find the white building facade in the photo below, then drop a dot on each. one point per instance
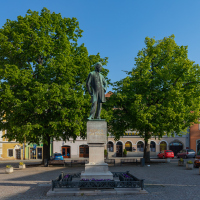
(130, 141)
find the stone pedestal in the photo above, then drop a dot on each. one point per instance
(96, 138)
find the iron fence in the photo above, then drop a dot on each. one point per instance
(61, 182)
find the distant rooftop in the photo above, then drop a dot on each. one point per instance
(108, 94)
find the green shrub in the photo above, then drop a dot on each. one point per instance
(8, 166)
(189, 162)
(181, 159)
(125, 152)
(105, 152)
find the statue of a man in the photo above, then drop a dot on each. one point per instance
(98, 84)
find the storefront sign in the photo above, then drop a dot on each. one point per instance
(131, 134)
(136, 134)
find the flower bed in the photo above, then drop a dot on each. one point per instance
(67, 177)
(125, 177)
(127, 181)
(93, 179)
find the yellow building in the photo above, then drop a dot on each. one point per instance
(10, 150)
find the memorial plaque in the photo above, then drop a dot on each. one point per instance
(97, 131)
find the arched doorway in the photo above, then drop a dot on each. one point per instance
(66, 151)
(119, 148)
(84, 151)
(163, 146)
(152, 146)
(198, 147)
(140, 146)
(110, 146)
(128, 146)
(176, 146)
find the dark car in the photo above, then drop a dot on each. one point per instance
(186, 153)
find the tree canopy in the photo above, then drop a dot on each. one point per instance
(43, 72)
(160, 95)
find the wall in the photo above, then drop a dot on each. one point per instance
(74, 147)
(13, 146)
(194, 136)
(135, 139)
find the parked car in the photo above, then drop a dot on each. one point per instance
(186, 153)
(58, 156)
(166, 154)
(197, 161)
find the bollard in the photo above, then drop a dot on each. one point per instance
(142, 160)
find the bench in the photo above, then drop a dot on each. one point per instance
(132, 161)
(110, 161)
(56, 162)
(78, 162)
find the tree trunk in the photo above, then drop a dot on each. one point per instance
(46, 149)
(146, 155)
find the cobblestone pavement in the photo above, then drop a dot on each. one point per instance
(162, 181)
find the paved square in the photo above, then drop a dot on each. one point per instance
(162, 181)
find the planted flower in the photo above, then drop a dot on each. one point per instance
(125, 177)
(189, 162)
(93, 179)
(189, 165)
(9, 169)
(21, 163)
(181, 162)
(66, 176)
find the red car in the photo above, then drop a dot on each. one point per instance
(166, 154)
(197, 161)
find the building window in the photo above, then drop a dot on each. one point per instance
(140, 146)
(10, 152)
(163, 146)
(153, 146)
(110, 146)
(128, 146)
(198, 147)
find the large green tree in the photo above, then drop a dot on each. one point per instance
(158, 95)
(42, 78)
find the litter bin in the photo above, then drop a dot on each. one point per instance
(46, 162)
(142, 161)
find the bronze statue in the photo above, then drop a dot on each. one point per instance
(98, 84)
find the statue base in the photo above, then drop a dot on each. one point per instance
(96, 171)
(96, 138)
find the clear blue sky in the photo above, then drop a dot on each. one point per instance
(117, 28)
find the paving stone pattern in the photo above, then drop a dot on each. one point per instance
(162, 181)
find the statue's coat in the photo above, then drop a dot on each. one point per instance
(93, 81)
